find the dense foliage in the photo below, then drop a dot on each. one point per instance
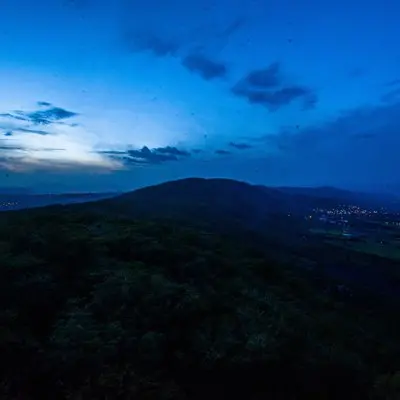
(99, 307)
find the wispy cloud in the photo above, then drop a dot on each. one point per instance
(146, 155)
(391, 96)
(394, 82)
(275, 100)
(35, 131)
(233, 27)
(204, 66)
(269, 88)
(240, 146)
(5, 145)
(28, 121)
(198, 61)
(44, 104)
(144, 41)
(172, 151)
(10, 147)
(41, 139)
(267, 78)
(222, 152)
(46, 117)
(363, 141)
(12, 116)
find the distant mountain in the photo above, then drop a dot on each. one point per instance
(334, 195)
(319, 191)
(212, 201)
(223, 205)
(223, 202)
(20, 200)
(15, 190)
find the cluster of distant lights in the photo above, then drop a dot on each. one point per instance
(350, 210)
(394, 223)
(8, 204)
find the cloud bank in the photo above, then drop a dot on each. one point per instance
(44, 139)
(146, 156)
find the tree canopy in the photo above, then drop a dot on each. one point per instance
(104, 307)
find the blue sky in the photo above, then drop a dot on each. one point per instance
(112, 95)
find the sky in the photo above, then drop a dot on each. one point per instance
(110, 95)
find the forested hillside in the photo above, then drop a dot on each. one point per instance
(103, 307)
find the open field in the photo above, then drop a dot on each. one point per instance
(384, 250)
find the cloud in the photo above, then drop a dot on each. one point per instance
(181, 34)
(391, 96)
(44, 104)
(35, 131)
(46, 117)
(12, 116)
(61, 145)
(358, 146)
(11, 147)
(112, 152)
(364, 136)
(394, 82)
(33, 164)
(10, 124)
(38, 122)
(266, 78)
(145, 155)
(144, 41)
(240, 146)
(275, 100)
(310, 99)
(205, 67)
(268, 87)
(27, 121)
(19, 157)
(233, 27)
(24, 159)
(222, 152)
(182, 46)
(172, 151)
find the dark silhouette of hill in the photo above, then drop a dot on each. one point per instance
(18, 201)
(225, 201)
(194, 198)
(222, 203)
(271, 219)
(15, 190)
(327, 195)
